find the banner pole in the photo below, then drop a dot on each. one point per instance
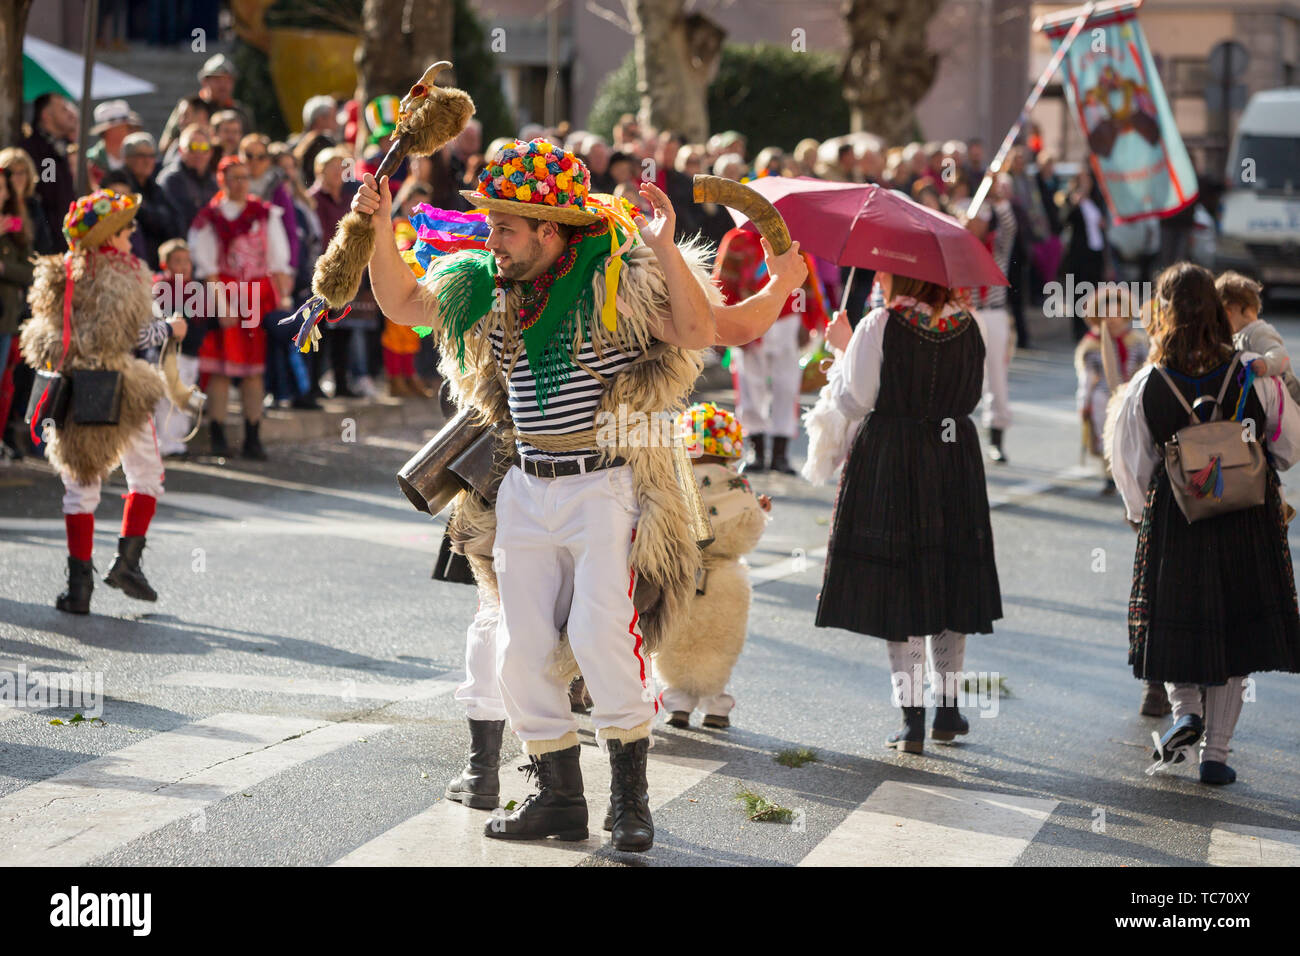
(1044, 78)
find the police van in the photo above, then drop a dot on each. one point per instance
(1260, 219)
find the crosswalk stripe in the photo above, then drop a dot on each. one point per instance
(346, 688)
(448, 834)
(1235, 844)
(906, 824)
(76, 816)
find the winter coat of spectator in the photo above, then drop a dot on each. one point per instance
(54, 126)
(189, 183)
(268, 182)
(22, 179)
(157, 219)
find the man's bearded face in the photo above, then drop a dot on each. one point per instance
(516, 247)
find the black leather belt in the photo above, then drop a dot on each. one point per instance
(546, 468)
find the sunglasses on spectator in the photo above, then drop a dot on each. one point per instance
(255, 157)
(199, 147)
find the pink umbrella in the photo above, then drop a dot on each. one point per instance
(873, 227)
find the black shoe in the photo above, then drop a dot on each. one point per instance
(629, 796)
(306, 403)
(716, 721)
(1216, 773)
(680, 719)
(948, 724)
(558, 809)
(253, 442)
(81, 584)
(755, 462)
(126, 575)
(911, 738)
(779, 462)
(479, 785)
(1182, 736)
(217, 443)
(995, 447)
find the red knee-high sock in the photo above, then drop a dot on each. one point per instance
(137, 514)
(81, 535)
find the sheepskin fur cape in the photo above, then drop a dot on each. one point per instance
(698, 653)
(111, 303)
(665, 557)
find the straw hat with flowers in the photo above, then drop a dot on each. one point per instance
(93, 219)
(536, 179)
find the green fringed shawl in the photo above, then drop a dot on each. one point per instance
(466, 286)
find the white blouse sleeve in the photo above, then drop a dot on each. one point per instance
(277, 243)
(1133, 453)
(848, 396)
(1280, 407)
(203, 251)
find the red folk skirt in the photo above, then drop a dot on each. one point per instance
(239, 349)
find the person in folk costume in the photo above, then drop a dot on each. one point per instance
(571, 311)
(768, 374)
(1212, 600)
(240, 247)
(911, 545)
(1110, 342)
(696, 659)
(92, 308)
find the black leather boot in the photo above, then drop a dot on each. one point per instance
(1180, 739)
(253, 441)
(911, 738)
(756, 461)
(629, 796)
(995, 446)
(217, 443)
(779, 461)
(558, 809)
(479, 785)
(81, 584)
(948, 723)
(126, 574)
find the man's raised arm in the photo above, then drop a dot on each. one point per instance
(394, 284)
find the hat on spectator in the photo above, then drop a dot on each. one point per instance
(536, 179)
(92, 219)
(218, 65)
(381, 117)
(138, 142)
(112, 113)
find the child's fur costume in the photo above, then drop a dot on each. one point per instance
(697, 655)
(111, 303)
(665, 557)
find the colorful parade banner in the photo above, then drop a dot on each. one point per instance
(1117, 98)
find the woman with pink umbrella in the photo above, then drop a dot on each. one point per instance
(911, 545)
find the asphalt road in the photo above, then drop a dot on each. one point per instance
(287, 700)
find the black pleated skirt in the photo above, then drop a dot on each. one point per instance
(911, 547)
(1213, 599)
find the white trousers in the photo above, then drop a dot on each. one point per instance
(561, 553)
(719, 705)
(173, 423)
(481, 692)
(141, 464)
(995, 325)
(769, 377)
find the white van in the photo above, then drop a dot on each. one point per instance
(1260, 233)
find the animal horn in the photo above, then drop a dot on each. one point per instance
(740, 197)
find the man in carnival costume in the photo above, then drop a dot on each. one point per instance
(573, 311)
(91, 308)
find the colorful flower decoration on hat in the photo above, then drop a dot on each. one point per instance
(89, 210)
(710, 430)
(536, 172)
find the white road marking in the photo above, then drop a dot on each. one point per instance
(396, 501)
(1234, 844)
(903, 824)
(448, 834)
(342, 687)
(77, 816)
(795, 564)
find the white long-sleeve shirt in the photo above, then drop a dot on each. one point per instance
(1134, 454)
(206, 255)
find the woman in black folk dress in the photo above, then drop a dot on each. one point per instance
(911, 546)
(1212, 601)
